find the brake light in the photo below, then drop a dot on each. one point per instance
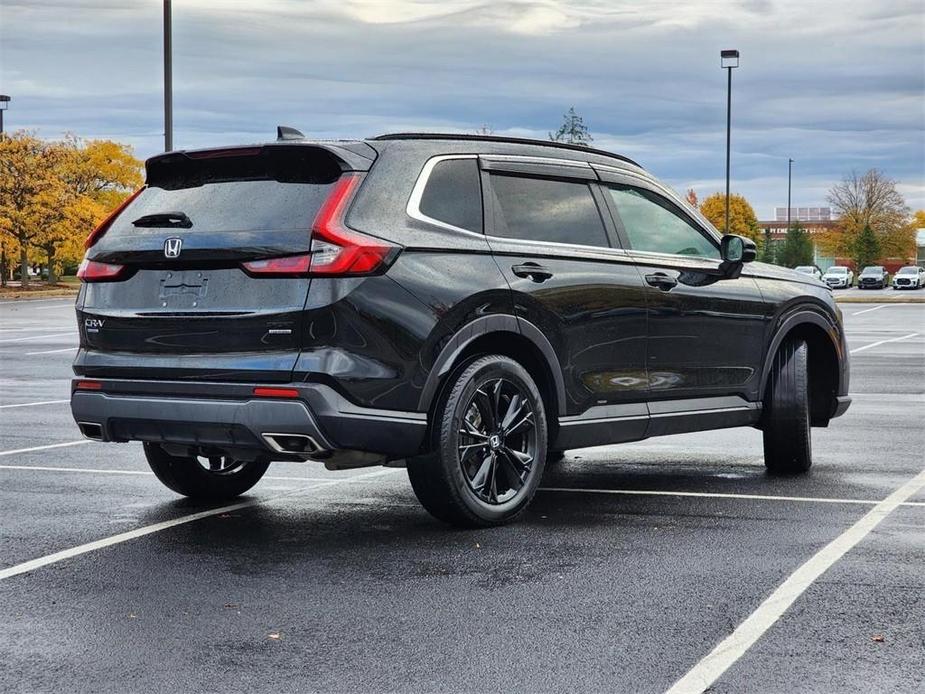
(337, 250)
(92, 271)
(290, 265)
(262, 392)
(103, 227)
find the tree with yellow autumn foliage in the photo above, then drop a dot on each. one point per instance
(742, 219)
(52, 194)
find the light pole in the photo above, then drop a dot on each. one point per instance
(4, 105)
(789, 178)
(168, 80)
(729, 59)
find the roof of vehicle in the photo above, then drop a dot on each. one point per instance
(506, 140)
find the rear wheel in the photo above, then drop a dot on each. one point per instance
(787, 430)
(490, 446)
(215, 478)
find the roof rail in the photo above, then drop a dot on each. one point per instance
(502, 138)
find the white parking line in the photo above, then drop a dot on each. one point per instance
(39, 562)
(729, 650)
(49, 468)
(30, 404)
(713, 495)
(45, 448)
(51, 351)
(38, 337)
(882, 342)
(868, 310)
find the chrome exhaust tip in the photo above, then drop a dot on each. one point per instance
(91, 430)
(297, 444)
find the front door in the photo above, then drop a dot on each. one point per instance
(706, 333)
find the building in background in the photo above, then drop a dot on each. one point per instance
(920, 247)
(814, 219)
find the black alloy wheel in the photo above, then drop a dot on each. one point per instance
(489, 446)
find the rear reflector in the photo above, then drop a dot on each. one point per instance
(276, 392)
(92, 271)
(97, 233)
(88, 385)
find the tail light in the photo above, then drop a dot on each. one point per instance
(336, 250)
(93, 271)
(103, 227)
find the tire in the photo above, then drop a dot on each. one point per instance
(187, 476)
(787, 430)
(489, 450)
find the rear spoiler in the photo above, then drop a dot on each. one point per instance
(292, 161)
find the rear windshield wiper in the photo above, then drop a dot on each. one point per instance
(164, 219)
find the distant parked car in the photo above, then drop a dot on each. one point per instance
(838, 277)
(810, 270)
(909, 277)
(873, 277)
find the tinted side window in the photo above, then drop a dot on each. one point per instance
(652, 224)
(540, 209)
(454, 194)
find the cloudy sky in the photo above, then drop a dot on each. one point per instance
(835, 85)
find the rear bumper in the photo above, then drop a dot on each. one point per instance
(842, 403)
(227, 415)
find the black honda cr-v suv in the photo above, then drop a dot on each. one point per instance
(470, 305)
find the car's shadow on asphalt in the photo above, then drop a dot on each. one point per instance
(379, 530)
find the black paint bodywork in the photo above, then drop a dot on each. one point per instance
(619, 359)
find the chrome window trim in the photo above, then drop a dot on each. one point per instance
(528, 159)
(413, 208)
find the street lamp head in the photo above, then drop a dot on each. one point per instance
(4, 102)
(729, 58)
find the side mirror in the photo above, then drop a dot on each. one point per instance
(736, 250)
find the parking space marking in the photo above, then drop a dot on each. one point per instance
(31, 404)
(51, 351)
(49, 468)
(38, 337)
(729, 650)
(719, 495)
(868, 310)
(56, 557)
(45, 448)
(882, 342)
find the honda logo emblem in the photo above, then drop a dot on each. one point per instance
(172, 247)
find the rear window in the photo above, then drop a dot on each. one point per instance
(261, 189)
(454, 194)
(542, 209)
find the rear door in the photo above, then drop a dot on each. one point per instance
(194, 298)
(546, 229)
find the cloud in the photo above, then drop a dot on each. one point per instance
(834, 85)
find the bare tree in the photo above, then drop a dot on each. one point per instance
(869, 200)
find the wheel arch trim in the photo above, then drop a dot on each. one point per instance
(480, 327)
(805, 316)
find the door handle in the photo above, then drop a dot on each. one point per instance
(535, 272)
(661, 281)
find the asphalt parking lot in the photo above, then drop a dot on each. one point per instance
(632, 564)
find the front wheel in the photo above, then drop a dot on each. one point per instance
(489, 449)
(787, 430)
(216, 478)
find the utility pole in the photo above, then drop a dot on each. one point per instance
(168, 80)
(728, 60)
(789, 177)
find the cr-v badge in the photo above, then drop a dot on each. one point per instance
(172, 247)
